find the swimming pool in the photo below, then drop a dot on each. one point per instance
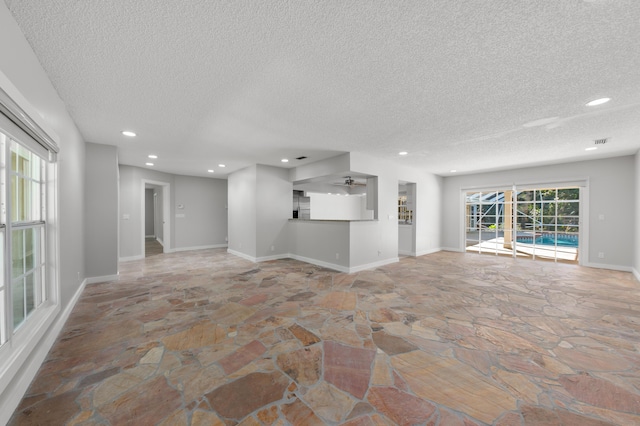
(563, 240)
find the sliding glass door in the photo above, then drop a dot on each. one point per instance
(535, 222)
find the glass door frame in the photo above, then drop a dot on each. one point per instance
(583, 223)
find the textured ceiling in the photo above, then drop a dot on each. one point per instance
(241, 82)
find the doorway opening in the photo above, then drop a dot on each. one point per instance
(152, 229)
(155, 218)
(406, 218)
(525, 222)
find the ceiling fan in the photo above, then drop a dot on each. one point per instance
(348, 181)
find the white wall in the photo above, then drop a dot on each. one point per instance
(158, 225)
(338, 207)
(20, 65)
(636, 260)
(273, 210)
(205, 212)
(611, 193)
(375, 243)
(330, 166)
(204, 224)
(427, 210)
(101, 211)
(149, 213)
(321, 243)
(259, 210)
(405, 239)
(130, 214)
(241, 199)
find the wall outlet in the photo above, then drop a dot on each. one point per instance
(226, 239)
(600, 255)
(337, 256)
(273, 248)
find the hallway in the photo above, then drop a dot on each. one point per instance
(207, 338)
(152, 247)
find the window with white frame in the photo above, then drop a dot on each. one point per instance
(29, 255)
(25, 286)
(27, 232)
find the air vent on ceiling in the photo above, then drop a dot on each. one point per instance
(600, 141)
(301, 158)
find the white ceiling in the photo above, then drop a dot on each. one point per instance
(205, 82)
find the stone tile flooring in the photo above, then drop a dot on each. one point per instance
(206, 338)
(152, 247)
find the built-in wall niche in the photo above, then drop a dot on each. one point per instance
(344, 196)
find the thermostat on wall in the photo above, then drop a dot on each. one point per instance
(181, 206)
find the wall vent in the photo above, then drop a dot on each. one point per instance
(600, 141)
(301, 158)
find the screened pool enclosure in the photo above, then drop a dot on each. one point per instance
(539, 223)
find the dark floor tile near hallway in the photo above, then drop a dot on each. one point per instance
(152, 247)
(206, 338)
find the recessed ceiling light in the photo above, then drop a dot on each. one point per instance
(593, 148)
(452, 171)
(210, 171)
(403, 153)
(128, 133)
(153, 156)
(285, 160)
(598, 101)
(149, 164)
(222, 165)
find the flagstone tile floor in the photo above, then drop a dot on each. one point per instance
(206, 338)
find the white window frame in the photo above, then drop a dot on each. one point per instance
(19, 360)
(20, 341)
(36, 221)
(578, 182)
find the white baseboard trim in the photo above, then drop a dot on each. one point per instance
(102, 279)
(259, 259)
(11, 396)
(179, 249)
(173, 250)
(160, 241)
(454, 249)
(316, 262)
(636, 273)
(242, 255)
(428, 251)
(130, 258)
(335, 267)
(273, 257)
(149, 236)
(419, 253)
(373, 265)
(612, 267)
